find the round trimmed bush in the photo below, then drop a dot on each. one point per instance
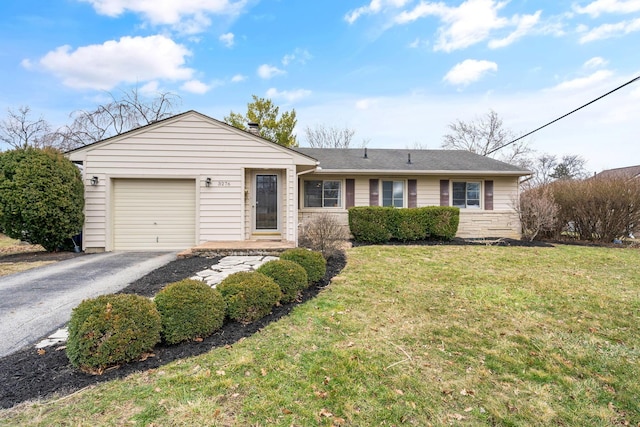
(249, 295)
(313, 262)
(110, 330)
(289, 275)
(189, 309)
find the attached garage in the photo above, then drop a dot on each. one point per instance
(154, 214)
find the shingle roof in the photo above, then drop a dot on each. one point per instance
(396, 160)
(630, 171)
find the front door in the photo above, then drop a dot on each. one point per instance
(266, 202)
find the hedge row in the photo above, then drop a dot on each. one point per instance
(375, 224)
(116, 328)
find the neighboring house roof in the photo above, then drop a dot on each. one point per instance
(360, 160)
(630, 171)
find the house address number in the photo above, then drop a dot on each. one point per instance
(224, 183)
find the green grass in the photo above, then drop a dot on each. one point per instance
(411, 336)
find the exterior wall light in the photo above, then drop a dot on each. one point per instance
(94, 180)
(207, 182)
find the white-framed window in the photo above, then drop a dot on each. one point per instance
(322, 194)
(393, 193)
(466, 194)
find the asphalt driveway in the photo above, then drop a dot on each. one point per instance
(37, 302)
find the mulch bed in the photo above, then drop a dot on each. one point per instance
(27, 375)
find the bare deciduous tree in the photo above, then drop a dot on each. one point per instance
(119, 115)
(19, 130)
(323, 136)
(537, 211)
(486, 136)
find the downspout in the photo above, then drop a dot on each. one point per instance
(298, 175)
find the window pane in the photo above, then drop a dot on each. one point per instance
(473, 194)
(313, 194)
(332, 197)
(387, 193)
(398, 193)
(459, 194)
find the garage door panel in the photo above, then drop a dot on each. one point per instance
(154, 214)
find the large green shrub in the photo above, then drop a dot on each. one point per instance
(443, 221)
(289, 275)
(313, 262)
(374, 224)
(370, 224)
(110, 330)
(189, 309)
(249, 295)
(41, 197)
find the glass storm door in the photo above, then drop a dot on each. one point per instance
(266, 202)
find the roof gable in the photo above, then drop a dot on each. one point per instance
(188, 117)
(408, 161)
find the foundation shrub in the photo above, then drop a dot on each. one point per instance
(443, 222)
(110, 330)
(189, 309)
(249, 296)
(374, 224)
(290, 276)
(313, 262)
(370, 224)
(323, 233)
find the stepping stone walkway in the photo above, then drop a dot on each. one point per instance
(211, 276)
(229, 265)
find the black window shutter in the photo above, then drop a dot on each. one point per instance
(412, 198)
(373, 192)
(488, 195)
(350, 192)
(444, 192)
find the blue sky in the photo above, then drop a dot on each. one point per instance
(395, 71)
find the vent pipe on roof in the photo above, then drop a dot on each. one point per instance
(365, 153)
(254, 128)
(409, 158)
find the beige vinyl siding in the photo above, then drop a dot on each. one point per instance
(153, 214)
(189, 146)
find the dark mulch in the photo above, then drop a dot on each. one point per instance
(26, 375)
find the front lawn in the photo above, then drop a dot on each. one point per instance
(434, 335)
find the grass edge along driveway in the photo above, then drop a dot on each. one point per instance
(407, 335)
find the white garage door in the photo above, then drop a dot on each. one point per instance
(153, 214)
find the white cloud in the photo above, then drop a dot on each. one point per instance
(417, 43)
(266, 71)
(150, 88)
(595, 62)
(128, 60)
(465, 25)
(524, 25)
(469, 71)
(374, 7)
(195, 86)
(366, 103)
(290, 96)
(599, 7)
(583, 82)
(238, 78)
(299, 55)
(227, 39)
(606, 31)
(188, 16)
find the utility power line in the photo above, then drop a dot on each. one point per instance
(562, 117)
